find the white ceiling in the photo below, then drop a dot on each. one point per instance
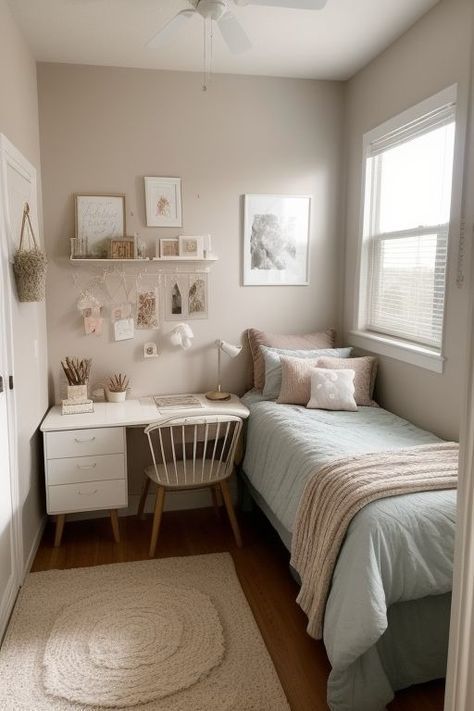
(332, 43)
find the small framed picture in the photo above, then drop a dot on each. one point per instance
(148, 314)
(191, 247)
(176, 287)
(197, 297)
(186, 297)
(276, 240)
(163, 202)
(97, 219)
(150, 350)
(167, 248)
(124, 248)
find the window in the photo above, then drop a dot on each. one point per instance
(409, 166)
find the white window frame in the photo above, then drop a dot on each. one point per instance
(400, 349)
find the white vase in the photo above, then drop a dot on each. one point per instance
(116, 396)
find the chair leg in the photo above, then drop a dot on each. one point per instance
(141, 505)
(216, 499)
(115, 525)
(60, 519)
(230, 512)
(159, 501)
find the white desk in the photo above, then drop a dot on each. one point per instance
(135, 413)
(86, 455)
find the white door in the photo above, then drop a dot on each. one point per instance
(8, 566)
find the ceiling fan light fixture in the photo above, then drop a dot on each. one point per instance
(211, 9)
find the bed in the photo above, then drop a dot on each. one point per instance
(386, 621)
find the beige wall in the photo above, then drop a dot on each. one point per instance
(19, 122)
(432, 55)
(103, 129)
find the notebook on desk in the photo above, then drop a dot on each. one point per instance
(177, 402)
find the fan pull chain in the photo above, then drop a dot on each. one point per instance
(207, 50)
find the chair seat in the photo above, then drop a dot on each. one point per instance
(191, 476)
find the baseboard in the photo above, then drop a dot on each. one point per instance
(33, 549)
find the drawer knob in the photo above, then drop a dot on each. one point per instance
(86, 439)
(87, 493)
(87, 466)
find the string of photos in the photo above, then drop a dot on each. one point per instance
(138, 301)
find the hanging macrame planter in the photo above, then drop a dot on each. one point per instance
(29, 264)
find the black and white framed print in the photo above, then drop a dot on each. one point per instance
(276, 240)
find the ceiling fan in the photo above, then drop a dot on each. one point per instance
(230, 28)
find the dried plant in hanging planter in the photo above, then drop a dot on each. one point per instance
(29, 265)
(118, 383)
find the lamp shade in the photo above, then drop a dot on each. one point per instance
(229, 349)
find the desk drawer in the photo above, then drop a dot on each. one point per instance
(79, 443)
(89, 496)
(79, 469)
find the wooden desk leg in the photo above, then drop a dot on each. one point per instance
(115, 525)
(230, 512)
(60, 519)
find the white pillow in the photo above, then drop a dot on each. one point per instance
(332, 390)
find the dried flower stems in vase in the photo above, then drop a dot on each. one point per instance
(117, 388)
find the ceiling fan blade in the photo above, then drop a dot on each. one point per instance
(233, 34)
(291, 4)
(167, 31)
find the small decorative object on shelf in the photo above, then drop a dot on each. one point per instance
(77, 374)
(117, 388)
(167, 248)
(191, 247)
(122, 248)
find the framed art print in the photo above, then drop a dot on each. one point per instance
(167, 248)
(186, 297)
(276, 240)
(163, 202)
(191, 247)
(97, 219)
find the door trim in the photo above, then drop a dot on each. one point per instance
(9, 155)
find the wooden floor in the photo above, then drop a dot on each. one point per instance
(262, 567)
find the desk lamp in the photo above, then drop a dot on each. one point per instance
(232, 351)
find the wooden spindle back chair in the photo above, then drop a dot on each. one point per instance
(191, 453)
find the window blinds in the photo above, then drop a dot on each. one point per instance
(408, 286)
(434, 119)
(408, 201)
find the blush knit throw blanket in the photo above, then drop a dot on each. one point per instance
(335, 493)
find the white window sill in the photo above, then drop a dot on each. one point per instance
(393, 348)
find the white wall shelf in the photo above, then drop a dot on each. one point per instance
(91, 260)
(185, 260)
(162, 260)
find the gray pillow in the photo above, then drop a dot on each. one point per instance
(271, 357)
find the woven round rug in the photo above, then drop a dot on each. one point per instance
(174, 634)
